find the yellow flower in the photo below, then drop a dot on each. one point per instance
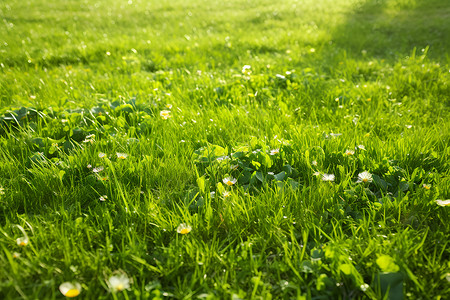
(184, 229)
(165, 114)
(426, 186)
(70, 289)
(22, 241)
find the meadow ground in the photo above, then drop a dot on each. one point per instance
(233, 149)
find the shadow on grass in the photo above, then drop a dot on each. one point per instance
(388, 29)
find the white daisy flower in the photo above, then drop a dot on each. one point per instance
(226, 194)
(364, 177)
(22, 241)
(443, 202)
(314, 163)
(121, 155)
(98, 169)
(274, 151)
(229, 180)
(165, 114)
(183, 228)
(328, 177)
(118, 283)
(349, 152)
(70, 289)
(101, 155)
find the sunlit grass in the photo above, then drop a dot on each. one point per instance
(224, 149)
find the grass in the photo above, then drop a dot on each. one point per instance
(95, 180)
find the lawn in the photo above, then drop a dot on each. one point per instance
(205, 149)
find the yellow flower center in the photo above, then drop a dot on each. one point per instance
(72, 293)
(365, 180)
(23, 243)
(229, 183)
(119, 287)
(184, 231)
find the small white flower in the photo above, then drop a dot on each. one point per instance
(89, 166)
(361, 147)
(101, 155)
(169, 106)
(98, 169)
(426, 186)
(183, 228)
(22, 241)
(364, 287)
(226, 194)
(270, 173)
(246, 70)
(443, 202)
(16, 255)
(328, 177)
(103, 198)
(222, 158)
(70, 289)
(274, 151)
(364, 177)
(121, 155)
(118, 283)
(317, 173)
(165, 114)
(314, 163)
(335, 135)
(229, 180)
(212, 195)
(349, 152)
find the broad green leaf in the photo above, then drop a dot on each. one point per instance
(387, 264)
(392, 283)
(280, 176)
